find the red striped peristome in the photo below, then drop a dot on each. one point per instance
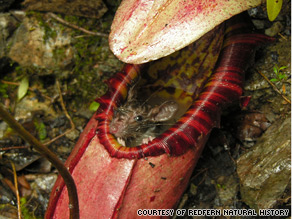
(118, 87)
(223, 87)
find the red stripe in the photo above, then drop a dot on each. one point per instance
(223, 87)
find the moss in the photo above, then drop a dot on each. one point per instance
(26, 213)
(59, 54)
(3, 90)
(81, 22)
(49, 32)
(90, 51)
(93, 62)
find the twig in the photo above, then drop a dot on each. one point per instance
(10, 83)
(62, 21)
(274, 87)
(231, 157)
(199, 173)
(63, 105)
(72, 192)
(282, 36)
(16, 190)
(66, 114)
(13, 147)
(56, 138)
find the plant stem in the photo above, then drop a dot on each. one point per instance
(274, 87)
(62, 21)
(47, 153)
(16, 190)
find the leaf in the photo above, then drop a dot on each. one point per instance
(275, 69)
(23, 87)
(41, 129)
(283, 67)
(284, 88)
(274, 80)
(273, 8)
(94, 106)
(147, 30)
(282, 76)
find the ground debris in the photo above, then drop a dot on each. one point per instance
(89, 8)
(264, 171)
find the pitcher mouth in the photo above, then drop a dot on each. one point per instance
(194, 126)
(220, 89)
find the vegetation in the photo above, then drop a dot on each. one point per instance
(280, 75)
(274, 8)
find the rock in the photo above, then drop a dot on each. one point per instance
(28, 105)
(30, 47)
(7, 25)
(73, 135)
(264, 171)
(227, 188)
(259, 24)
(3, 127)
(276, 28)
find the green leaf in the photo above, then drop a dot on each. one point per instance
(23, 87)
(275, 69)
(282, 76)
(283, 67)
(94, 106)
(41, 129)
(274, 8)
(274, 80)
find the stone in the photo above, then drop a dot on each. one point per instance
(265, 170)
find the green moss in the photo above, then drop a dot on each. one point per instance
(26, 213)
(81, 22)
(41, 129)
(89, 52)
(93, 62)
(59, 54)
(3, 90)
(49, 32)
(220, 186)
